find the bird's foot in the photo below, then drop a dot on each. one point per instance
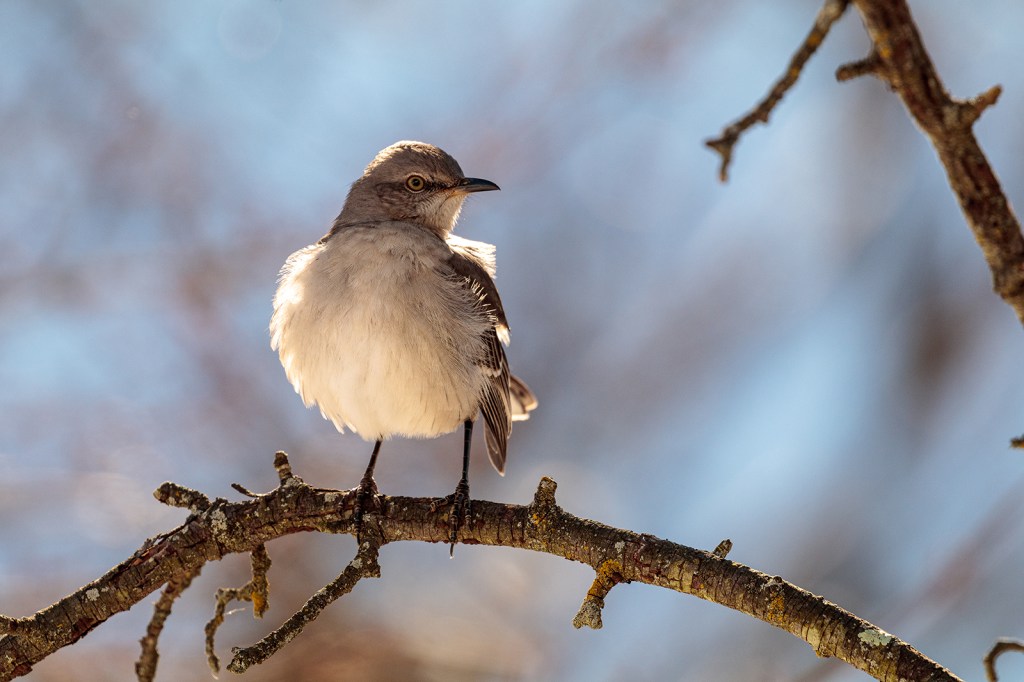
(366, 493)
(460, 513)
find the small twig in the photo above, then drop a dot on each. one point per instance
(224, 596)
(723, 548)
(608, 576)
(544, 498)
(175, 495)
(723, 144)
(998, 649)
(145, 667)
(966, 112)
(245, 491)
(869, 66)
(260, 585)
(255, 591)
(283, 467)
(364, 565)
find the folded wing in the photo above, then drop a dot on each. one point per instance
(505, 398)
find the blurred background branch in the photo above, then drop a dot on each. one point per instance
(723, 145)
(902, 62)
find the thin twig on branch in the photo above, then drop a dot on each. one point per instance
(241, 527)
(589, 615)
(724, 143)
(364, 565)
(998, 649)
(145, 668)
(257, 591)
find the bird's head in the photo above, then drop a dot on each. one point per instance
(414, 182)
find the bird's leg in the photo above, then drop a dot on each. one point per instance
(367, 488)
(460, 499)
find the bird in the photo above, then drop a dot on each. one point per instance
(392, 325)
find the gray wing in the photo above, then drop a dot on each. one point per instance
(496, 402)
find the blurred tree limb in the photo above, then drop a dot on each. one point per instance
(898, 58)
(216, 528)
(1001, 647)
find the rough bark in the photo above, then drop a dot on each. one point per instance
(218, 528)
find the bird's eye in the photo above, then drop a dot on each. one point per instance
(415, 183)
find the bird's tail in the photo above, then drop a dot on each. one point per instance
(522, 401)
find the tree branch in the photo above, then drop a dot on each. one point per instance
(257, 591)
(899, 58)
(145, 668)
(905, 65)
(998, 649)
(616, 555)
(364, 565)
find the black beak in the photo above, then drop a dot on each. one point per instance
(475, 185)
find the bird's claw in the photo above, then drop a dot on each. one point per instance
(460, 512)
(366, 492)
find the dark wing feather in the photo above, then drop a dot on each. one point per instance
(523, 400)
(495, 405)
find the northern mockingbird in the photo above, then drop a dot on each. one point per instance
(392, 325)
